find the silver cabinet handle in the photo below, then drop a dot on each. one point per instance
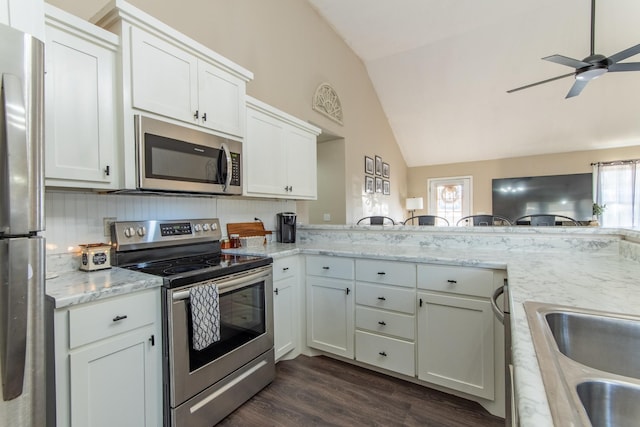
(494, 304)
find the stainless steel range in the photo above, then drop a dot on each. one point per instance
(212, 363)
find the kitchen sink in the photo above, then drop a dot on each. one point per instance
(590, 364)
(602, 342)
(610, 403)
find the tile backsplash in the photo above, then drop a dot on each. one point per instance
(74, 217)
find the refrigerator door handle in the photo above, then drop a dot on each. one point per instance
(15, 302)
(15, 128)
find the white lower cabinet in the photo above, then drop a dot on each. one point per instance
(455, 329)
(107, 362)
(385, 315)
(286, 275)
(330, 304)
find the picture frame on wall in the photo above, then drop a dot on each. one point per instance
(378, 185)
(378, 165)
(368, 184)
(368, 165)
(385, 170)
(386, 187)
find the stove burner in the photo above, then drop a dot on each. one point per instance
(189, 260)
(184, 268)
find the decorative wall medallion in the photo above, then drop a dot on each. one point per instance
(327, 102)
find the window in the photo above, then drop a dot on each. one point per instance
(450, 198)
(617, 186)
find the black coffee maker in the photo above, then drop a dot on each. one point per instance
(286, 227)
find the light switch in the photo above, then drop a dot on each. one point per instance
(326, 217)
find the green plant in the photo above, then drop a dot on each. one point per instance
(598, 209)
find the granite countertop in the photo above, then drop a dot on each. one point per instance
(77, 287)
(602, 281)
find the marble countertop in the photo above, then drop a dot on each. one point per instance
(602, 281)
(77, 287)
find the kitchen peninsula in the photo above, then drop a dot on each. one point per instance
(585, 267)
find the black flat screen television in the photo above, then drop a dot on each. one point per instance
(568, 195)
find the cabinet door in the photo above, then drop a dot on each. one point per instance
(80, 106)
(221, 100)
(330, 315)
(164, 78)
(24, 15)
(455, 343)
(114, 382)
(283, 316)
(302, 175)
(265, 167)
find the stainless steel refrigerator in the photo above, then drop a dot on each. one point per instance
(22, 346)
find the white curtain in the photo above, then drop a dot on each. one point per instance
(617, 186)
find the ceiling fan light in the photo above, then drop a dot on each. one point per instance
(591, 74)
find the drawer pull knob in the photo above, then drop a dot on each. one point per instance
(285, 268)
(381, 273)
(382, 323)
(383, 353)
(325, 268)
(275, 291)
(119, 318)
(382, 298)
(453, 282)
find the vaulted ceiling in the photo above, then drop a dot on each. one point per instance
(441, 69)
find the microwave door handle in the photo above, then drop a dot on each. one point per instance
(229, 172)
(16, 175)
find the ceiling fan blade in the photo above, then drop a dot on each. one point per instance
(634, 50)
(577, 87)
(627, 66)
(569, 62)
(541, 82)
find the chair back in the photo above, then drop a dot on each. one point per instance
(376, 220)
(548, 220)
(483, 220)
(426, 220)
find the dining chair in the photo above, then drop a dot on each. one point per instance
(483, 220)
(427, 220)
(376, 220)
(549, 220)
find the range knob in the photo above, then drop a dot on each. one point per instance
(205, 227)
(197, 228)
(142, 231)
(129, 232)
(214, 226)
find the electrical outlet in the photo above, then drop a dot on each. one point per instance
(106, 222)
(326, 217)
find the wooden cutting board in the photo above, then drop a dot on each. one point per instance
(246, 229)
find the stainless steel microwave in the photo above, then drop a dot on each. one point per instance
(175, 158)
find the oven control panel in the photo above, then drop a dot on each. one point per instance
(135, 234)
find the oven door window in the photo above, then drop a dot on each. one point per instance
(242, 319)
(170, 159)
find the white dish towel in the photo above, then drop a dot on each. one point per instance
(205, 315)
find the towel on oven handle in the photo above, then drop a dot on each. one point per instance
(205, 315)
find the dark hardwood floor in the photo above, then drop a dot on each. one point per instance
(320, 391)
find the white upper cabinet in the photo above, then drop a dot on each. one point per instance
(170, 81)
(24, 15)
(280, 154)
(81, 105)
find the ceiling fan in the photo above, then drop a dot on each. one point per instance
(591, 67)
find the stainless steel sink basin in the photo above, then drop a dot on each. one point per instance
(610, 344)
(590, 364)
(610, 403)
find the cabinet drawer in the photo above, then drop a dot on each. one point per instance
(387, 297)
(387, 353)
(385, 322)
(325, 266)
(285, 268)
(386, 272)
(456, 280)
(93, 322)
